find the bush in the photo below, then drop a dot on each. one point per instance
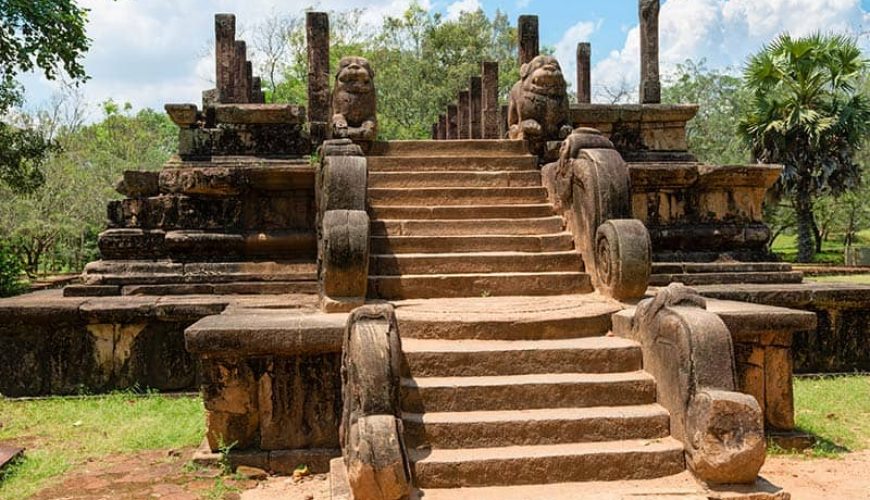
(10, 273)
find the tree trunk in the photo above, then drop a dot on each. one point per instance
(803, 206)
(817, 232)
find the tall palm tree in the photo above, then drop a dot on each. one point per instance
(808, 114)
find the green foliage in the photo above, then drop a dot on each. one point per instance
(712, 135)
(835, 409)
(10, 272)
(44, 35)
(809, 114)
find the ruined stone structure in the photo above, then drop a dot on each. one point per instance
(468, 312)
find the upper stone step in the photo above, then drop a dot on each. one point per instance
(556, 463)
(473, 358)
(490, 429)
(457, 227)
(558, 242)
(479, 262)
(497, 147)
(426, 286)
(699, 279)
(526, 392)
(456, 196)
(522, 178)
(451, 163)
(502, 211)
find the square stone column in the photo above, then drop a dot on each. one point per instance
(452, 131)
(241, 84)
(475, 106)
(650, 82)
(489, 115)
(584, 73)
(225, 56)
(464, 114)
(442, 127)
(527, 33)
(503, 121)
(317, 36)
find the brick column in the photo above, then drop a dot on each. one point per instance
(452, 131)
(584, 73)
(650, 83)
(527, 33)
(225, 55)
(464, 113)
(475, 106)
(317, 35)
(489, 114)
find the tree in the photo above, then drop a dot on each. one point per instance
(808, 114)
(44, 35)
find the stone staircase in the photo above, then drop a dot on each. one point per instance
(465, 219)
(525, 390)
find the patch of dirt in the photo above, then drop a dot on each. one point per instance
(842, 478)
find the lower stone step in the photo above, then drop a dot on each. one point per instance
(479, 262)
(720, 267)
(238, 288)
(427, 286)
(526, 392)
(497, 211)
(472, 358)
(517, 465)
(558, 242)
(697, 279)
(454, 227)
(456, 196)
(489, 429)
(524, 178)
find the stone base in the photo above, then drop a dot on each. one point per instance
(282, 462)
(56, 345)
(792, 441)
(722, 272)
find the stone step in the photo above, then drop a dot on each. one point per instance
(427, 286)
(517, 465)
(506, 318)
(231, 288)
(474, 358)
(481, 262)
(526, 392)
(377, 164)
(490, 429)
(560, 242)
(719, 267)
(461, 148)
(457, 227)
(523, 178)
(454, 212)
(697, 279)
(438, 196)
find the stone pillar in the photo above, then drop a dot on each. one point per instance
(442, 127)
(527, 33)
(650, 83)
(452, 131)
(503, 121)
(434, 134)
(257, 91)
(475, 106)
(584, 73)
(317, 35)
(241, 75)
(464, 114)
(225, 55)
(489, 113)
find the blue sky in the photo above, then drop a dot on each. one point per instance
(149, 52)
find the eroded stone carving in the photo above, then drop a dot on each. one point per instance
(538, 107)
(354, 101)
(371, 426)
(689, 351)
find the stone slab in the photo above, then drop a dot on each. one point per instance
(9, 454)
(249, 114)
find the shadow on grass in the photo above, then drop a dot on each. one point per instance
(804, 443)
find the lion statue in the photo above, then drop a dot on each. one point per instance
(354, 103)
(538, 108)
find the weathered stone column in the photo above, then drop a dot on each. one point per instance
(650, 83)
(584, 73)
(527, 33)
(442, 127)
(464, 114)
(317, 35)
(242, 89)
(489, 114)
(503, 121)
(452, 131)
(475, 106)
(434, 133)
(225, 55)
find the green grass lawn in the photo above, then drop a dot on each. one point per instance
(836, 410)
(785, 246)
(62, 433)
(853, 279)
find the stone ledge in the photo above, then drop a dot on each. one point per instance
(266, 332)
(645, 113)
(816, 295)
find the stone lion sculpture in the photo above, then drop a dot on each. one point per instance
(354, 103)
(538, 108)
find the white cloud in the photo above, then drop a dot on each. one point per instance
(522, 4)
(566, 47)
(724, 32)
(459, 6)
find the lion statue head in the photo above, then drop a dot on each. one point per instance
(354, 100)
(538, 107)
